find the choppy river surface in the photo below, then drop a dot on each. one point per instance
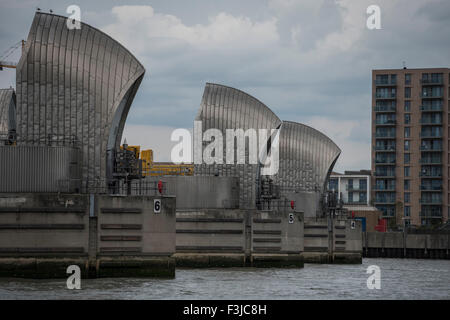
(400, 279)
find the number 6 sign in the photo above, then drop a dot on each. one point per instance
(157, 205)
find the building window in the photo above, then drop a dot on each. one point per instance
(407, 197)
(407, 171)
(350, 183)
(407, 132)
(433, 92)
(436, 77)
(333, 184)
(407, 118)
(362, 184)
(362, 197)
(407, 92)
(407, 211)
(406, 158)
(407, 222)
(408, 78)
(407, 105)
(393, 78)
(406, 145)
(350, 197)
(407, 184)
(382, 79)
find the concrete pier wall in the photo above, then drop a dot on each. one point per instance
(401, 245)
(333, 241)
(208, 238)
(41, 234)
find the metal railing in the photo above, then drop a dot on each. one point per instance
(430, 135)
(431, 149)
(114, 187)
(386, 122)
(431, 121)
(430, 175)
(431, 108)
(385, 82)
(431, 95)
(430, 201)
(385, 96)
(430, 161)
(385, 135)
(387, 148)
(385, 108)
(432, 81)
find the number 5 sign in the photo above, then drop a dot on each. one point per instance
(157, 205)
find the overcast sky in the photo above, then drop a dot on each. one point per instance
(308, 60)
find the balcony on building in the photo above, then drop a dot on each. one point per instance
(432, 82)
(359, 188)
(385, 148)
(387, 211)
(431, 145)
(431, 121)
(385, 189)
(385, 174)
(382, 163)
(430, 188)
(386, 108)
(431, 161)
(431, 212)
(384, 201)
(431, 200)
(384, 171)
(385, 197)
(385, 134)
(380, 83)
(383, 122)
(385, 80)
(432, 94)
(431, 108)
(430, 135)
(390, 96)
(430, 172)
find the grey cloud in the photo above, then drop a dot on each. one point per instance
(297, 80)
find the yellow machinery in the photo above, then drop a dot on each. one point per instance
(150, 168)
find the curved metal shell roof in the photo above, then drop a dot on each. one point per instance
(222, 108)
(306, 158)
(7, 110)
(75, 84)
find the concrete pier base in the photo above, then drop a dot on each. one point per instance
(56, 268)
(42, 234)
(316, 257)
(215, 260)
(239, 238)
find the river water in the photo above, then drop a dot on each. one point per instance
(400, 279)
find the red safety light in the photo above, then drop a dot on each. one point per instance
(292, 204)
(160, 186)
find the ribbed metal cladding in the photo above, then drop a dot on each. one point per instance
(224, 108)
(58, 169)
(306, 157)
(199, 192)
(7, 110)
(75, 84)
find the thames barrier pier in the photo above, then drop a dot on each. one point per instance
(63, 196)
(71, 194)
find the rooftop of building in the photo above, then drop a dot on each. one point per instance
(411, 69)
(362, 172)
